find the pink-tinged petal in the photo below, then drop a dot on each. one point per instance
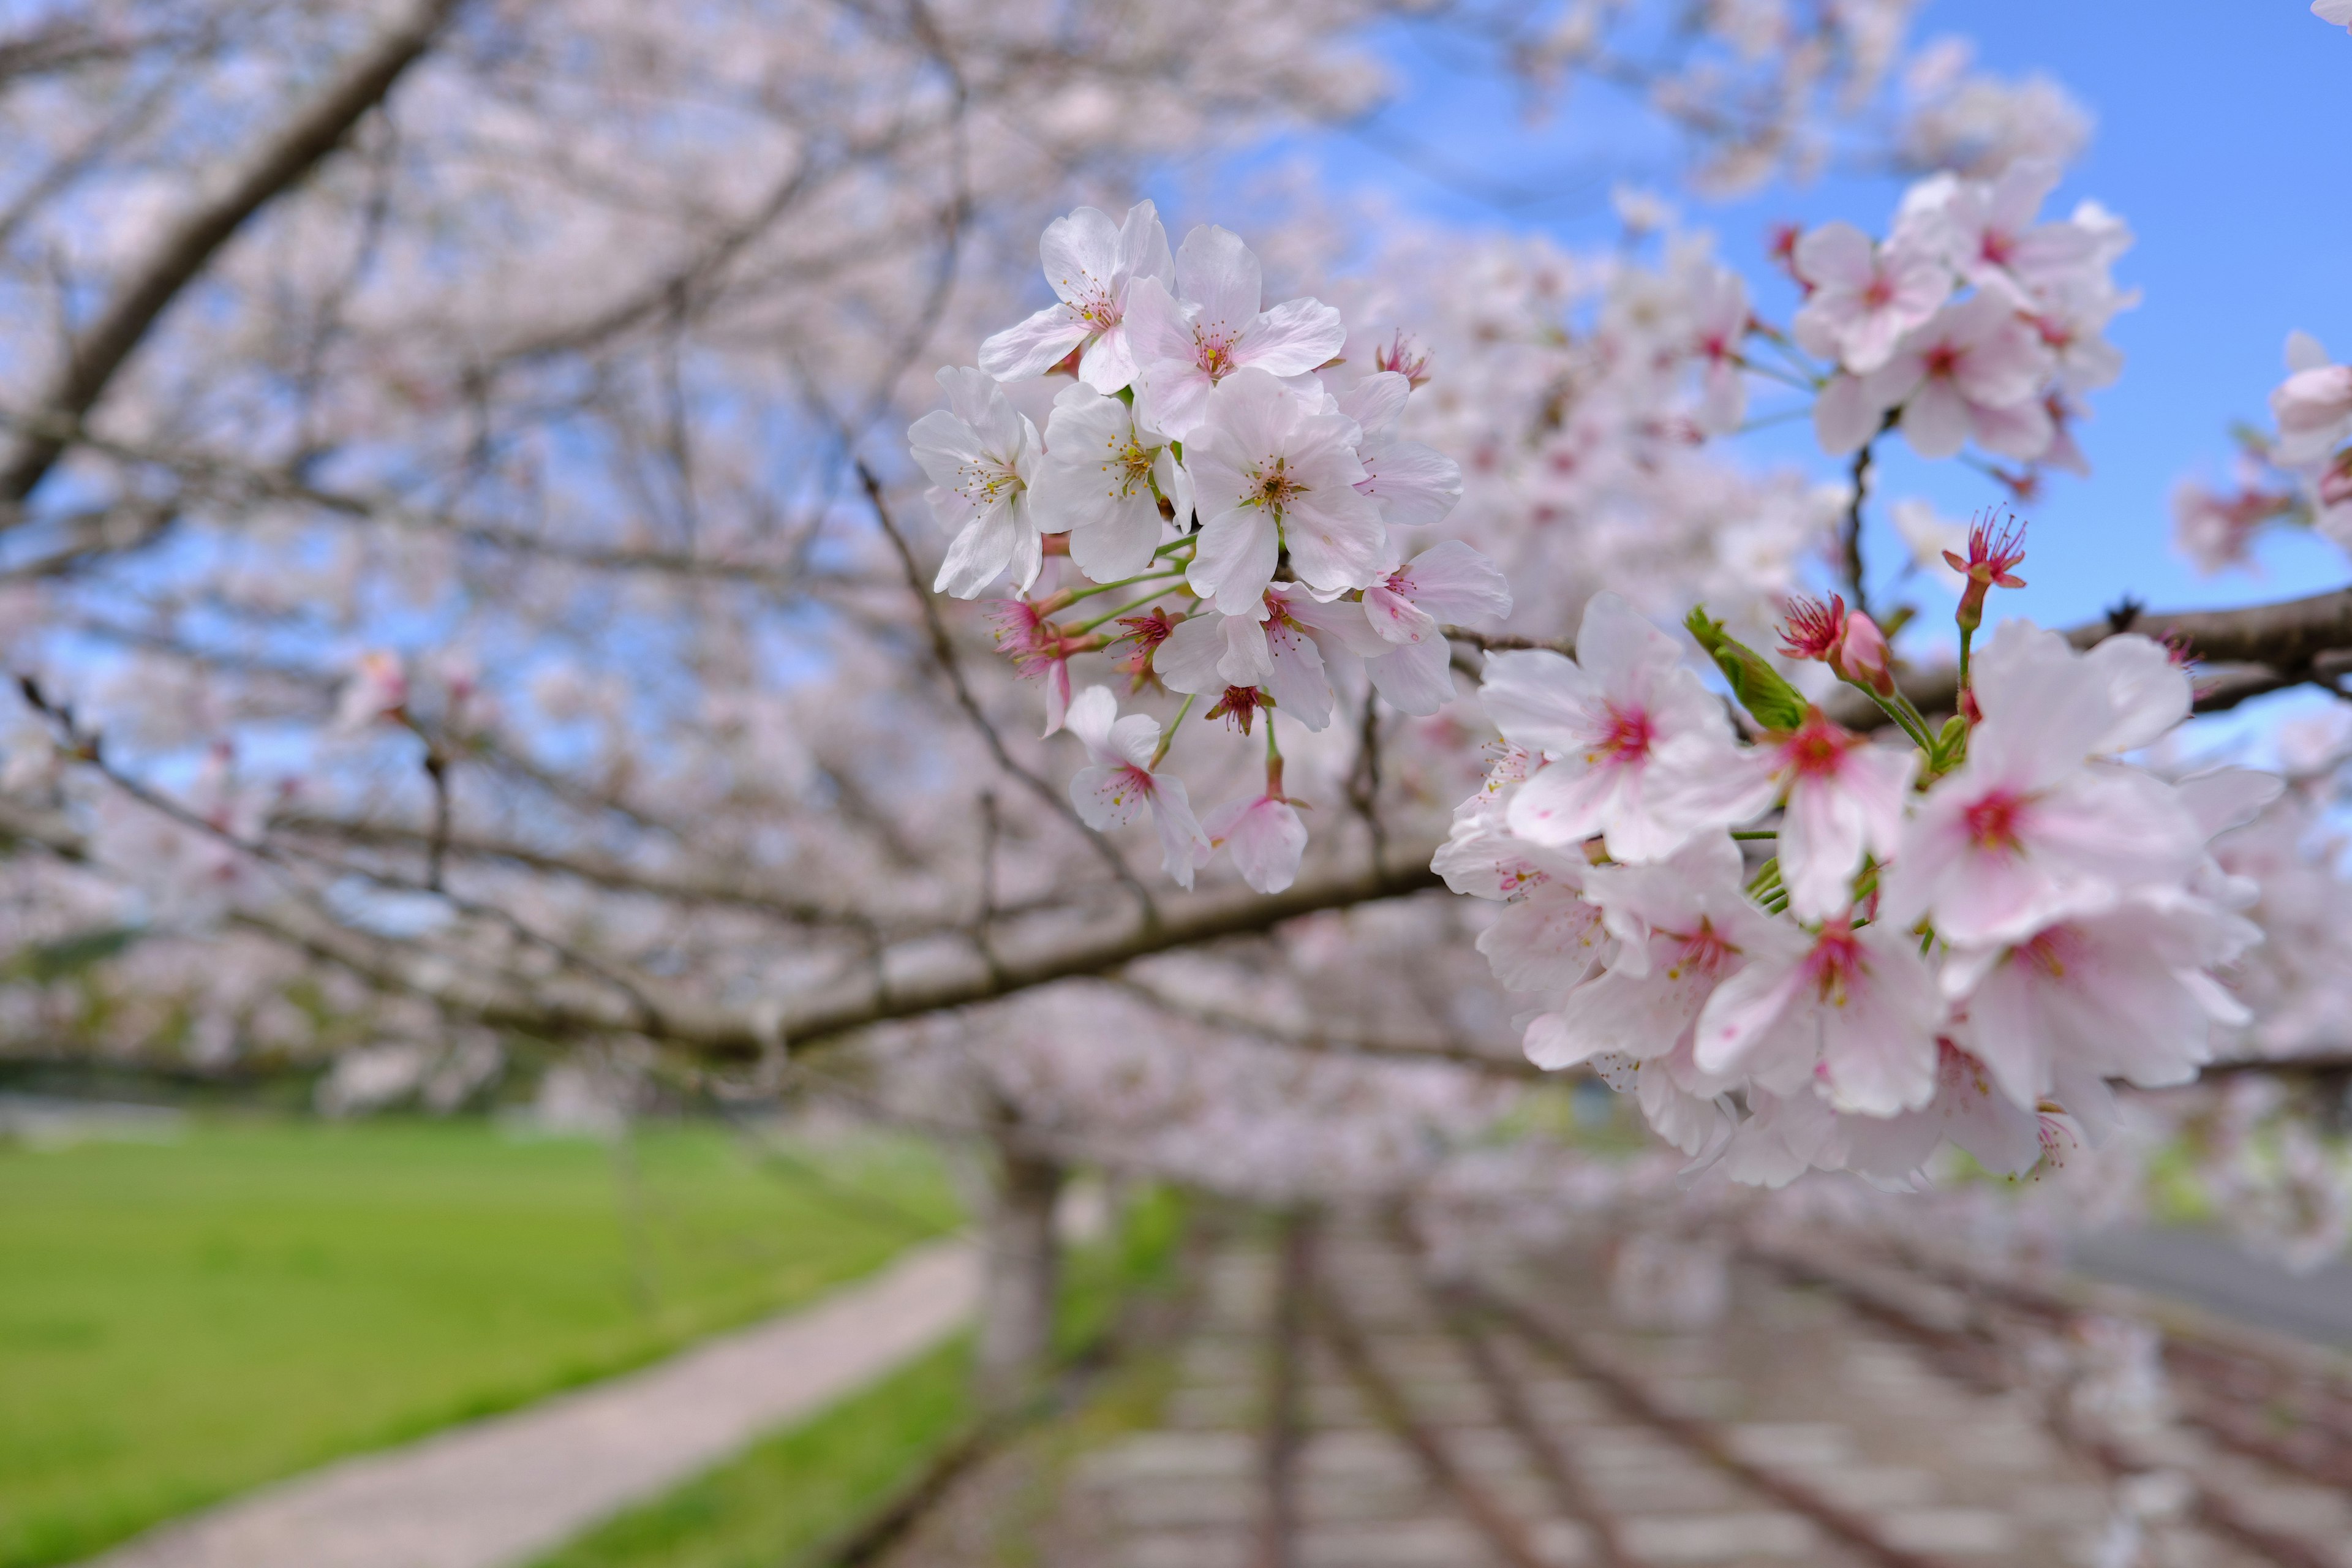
(1415, 485)
(1455, 583)
(1187, 660)
(1547, 941)
(1416, 678)
(1618, 647)
(1246, 660)
(1878, 1037)
(1980, 1116)
(1294, 337)
(1845, 414)
(1377, 400)
(2023, 430)
(1742, 1011)
(1698, 783)
(1216, 271)
(1566, 802)
(2005, 1032)
(1143, 246)
(2228, 797)
(1266, 837)
(1542, 701)
(1820, 848)
(1936, 419)
(1081, 255)
(1396, 618)
(1031, 347)
(1341, 620)
(1110, 795)
(1301, 689)
(1119, 546)
(1090, 716)
(1836, 254)
(1183, 845)
(1057, 697)
(982, 551)
(1109, 362)
(2151, 695)
(1336, 541)
(1236, 560)
(1134, 737)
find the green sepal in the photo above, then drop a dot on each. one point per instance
(1951, 745)
(1767, 695)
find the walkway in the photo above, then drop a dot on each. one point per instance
(501, 1491)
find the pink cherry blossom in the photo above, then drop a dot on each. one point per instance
(1448, 584)
(1266, 836)
(1680, 927)
(1842, 799)
(1120, 784)
(1411, 484)
(1987, 231)
(1092, 267)
(377, 690)
(980, 454)
(2029, 831)
(1614, 725)
(1864, 297)
(1187, 342)
(2313, 410)
(1271, 475)
(1281, 649)
(1855, 1015)
(1974, 370)
(2122, 995)
(2336, 13)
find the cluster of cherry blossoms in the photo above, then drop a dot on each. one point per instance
(1802, 947)
(1227, 472)
(2303, 474)
(1971, 321)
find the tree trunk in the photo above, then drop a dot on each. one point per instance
(1020, 1277)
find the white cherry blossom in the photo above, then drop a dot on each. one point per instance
(1270, 475)
(980, 454)
(1119, 783)
(1267, 838)
(1976, 369)
(1616, 726)
(1101, 480)
(1093, 265)
(1187, 342)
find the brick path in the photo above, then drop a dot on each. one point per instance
(1798, 1430)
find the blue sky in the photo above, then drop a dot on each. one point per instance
(2220, 137)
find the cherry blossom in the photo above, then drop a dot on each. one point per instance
(1121, 782)
(1092, 267)
(1272, 476)
(1618, 727)
(1101, 479)
(2336, 13)
(1864, 298)
(1974, 370)
(1856, 1013)
(1412, 483)
(1446, 584)
(980, 454)
(1188, 342)
(1267, 838)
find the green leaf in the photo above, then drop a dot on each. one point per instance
(1767, 695)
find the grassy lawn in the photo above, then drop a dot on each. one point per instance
(181, 1322)
(779, 1504)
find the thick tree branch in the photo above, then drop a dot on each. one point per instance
(189, 245)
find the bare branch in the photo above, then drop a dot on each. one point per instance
(187, 247)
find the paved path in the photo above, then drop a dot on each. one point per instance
(2217, 1274)
(501, 1491)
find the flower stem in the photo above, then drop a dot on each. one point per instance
(1168, 736)
(1075, 594)
(1114, 614)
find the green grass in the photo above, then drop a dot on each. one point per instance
(782, 1500)
(180, 1322)
(795, 1491)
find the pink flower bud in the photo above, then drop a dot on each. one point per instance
(1861, 655)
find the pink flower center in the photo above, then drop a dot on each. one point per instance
(1703, 954)
(1627, 739)
(1880, 294)
(1836, 965)
(2053, 952)
(1215, 355)
(1816, 751)
(1992, 822)
(1942, 359)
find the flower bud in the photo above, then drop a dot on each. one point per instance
(1861, 655)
